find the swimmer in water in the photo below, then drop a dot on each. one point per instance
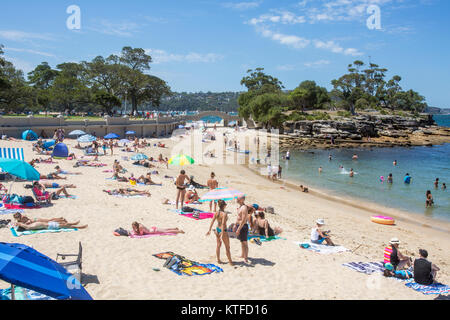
(330, 157)
(395, 162)
(355, 157)
(351, 173)
(436, 183)
(389, 179)
(320, 169)
(341, 167)
(444, 187)
(429, 202)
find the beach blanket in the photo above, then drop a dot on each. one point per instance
(21, 206)
(135, 236)
(321, 248)
(188, 267)
(30, 232)
(23, 294)
(365, 267)
(69, 197)
(435, 288)
(264, 239)
(201, 214)
(11, 211)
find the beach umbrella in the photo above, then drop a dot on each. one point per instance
(23, 266)
(139, 156)
(19, 169)
(77, 133)
(130, 133)
(225, 194)
(49, 144)
(29, 135)
(124, 141)
(111, 136)
(181, 160)
(86, 138)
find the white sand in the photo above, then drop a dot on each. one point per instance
(279, 270)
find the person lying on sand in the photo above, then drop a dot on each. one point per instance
(52, 225)
(61, 171)
(141, 230)
(119, 178)
(262, 226)
(127, 192)
(221, 231)
(52, 176)
(318, 236)
(147, 180)
(55, 185)
(25, 220)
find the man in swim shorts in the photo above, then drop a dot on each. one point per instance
(241, 227)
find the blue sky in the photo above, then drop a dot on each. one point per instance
(208, 45)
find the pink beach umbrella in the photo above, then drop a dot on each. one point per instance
(225, 194)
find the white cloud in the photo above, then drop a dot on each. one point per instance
(162, 56)
(21, 36)
(241, 5)
(285, 67)
(283, 17)
(40, 53)
(336, 48)
(316, 64)
(285, 39)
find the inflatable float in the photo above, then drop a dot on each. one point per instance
(383, 220)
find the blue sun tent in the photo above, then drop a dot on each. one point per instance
(29, 135)
(60, 151)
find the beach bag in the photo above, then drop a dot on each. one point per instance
(27, 199)
(187, 209)
(122, 232)
(270, 210)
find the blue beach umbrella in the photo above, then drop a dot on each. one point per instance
(111, 136)
(23, 266)
(86, 138)
(20, 169)
(130, 133)
(124, 141)
(29, 135)
(139, 156)
(77, 133)
(48, 144)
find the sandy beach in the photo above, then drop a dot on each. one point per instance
(122, 268)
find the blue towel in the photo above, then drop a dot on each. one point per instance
(435, 288)
(29, 232)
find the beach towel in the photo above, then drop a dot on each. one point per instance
(201, 214)
(69, 197)
(264, 239)
(188, 267)
(30, 232)
(11, 211)
(135, 236)
(15, 206)
(366, 267)
(23, 294)
(435, 288)
(321, 248)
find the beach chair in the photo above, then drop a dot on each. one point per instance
(41, 198)
(75, 266)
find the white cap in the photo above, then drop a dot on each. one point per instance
(394, 241)
(320, 221)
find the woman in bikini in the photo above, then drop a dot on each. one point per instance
(262, 226)
(141, 230)
(221, 231)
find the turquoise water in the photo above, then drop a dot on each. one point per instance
(442, 120)
(424, 164)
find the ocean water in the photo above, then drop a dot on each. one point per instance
(424, 164)
(442, 120)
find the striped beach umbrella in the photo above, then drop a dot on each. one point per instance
(181, 160)
(87, 138)
(225, 194)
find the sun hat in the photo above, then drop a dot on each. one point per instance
(191, 188)
(394, 241)
(255, 206)
(389, 266)
(320, 221)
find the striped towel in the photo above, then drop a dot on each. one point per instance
(435, 288)
(365, 267)
(30, 232)
(322, 249)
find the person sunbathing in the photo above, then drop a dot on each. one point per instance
(52, 176)
(40, 191)
(141, 230)
(119, 178)
(127, 192)
(51, 225)
(55, 185)
(61, 171)
(147, 180)
(25, 220)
